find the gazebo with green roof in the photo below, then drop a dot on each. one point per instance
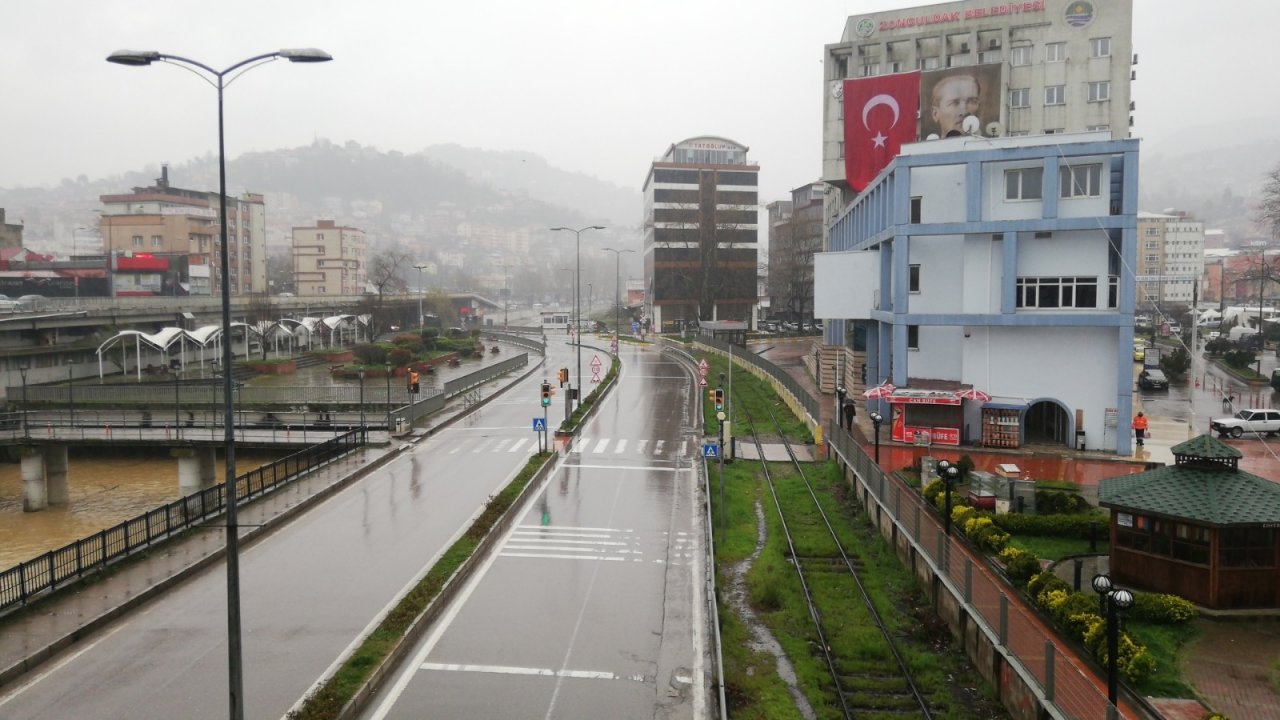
(1200, 528)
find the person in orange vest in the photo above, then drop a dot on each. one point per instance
(1140, 428)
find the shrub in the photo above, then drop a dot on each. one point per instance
(1238, 359)
(1132, 659)
(1176, 363)
(960, 516)
(370, 354)
(399, 357)
(931, 491)
(1162, 609)
(1057, 502)
(1071, 526)
(965, 464)
(408, 341)
(1044, 582)
(1019, 565)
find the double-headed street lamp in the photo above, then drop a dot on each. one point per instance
(1112, 601)
(947, 473)
(617, 288)
(219, 81)
(577, 290)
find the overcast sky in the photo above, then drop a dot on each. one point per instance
(593, 86)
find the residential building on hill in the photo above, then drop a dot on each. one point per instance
(1170, 260)
(700, 220)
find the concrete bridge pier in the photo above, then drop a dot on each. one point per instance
(35, 493)
(56, 474)
(197, 469)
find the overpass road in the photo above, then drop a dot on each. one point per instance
(592, 604)
(310, 589)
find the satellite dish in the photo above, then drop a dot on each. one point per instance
(994, 129)
(931, 136)
(970, 124)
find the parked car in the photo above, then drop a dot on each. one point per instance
(28, 303)
(1153, 379)
(1139, 352)
(1248, 421)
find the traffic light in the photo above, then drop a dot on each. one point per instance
(546, 394)
(719, 399)
(711, 394)
(564, 376)
(413, 381)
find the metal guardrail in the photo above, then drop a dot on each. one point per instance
(376, 392)
(26, 581)
(524, 341)
(1030, 649)
(798, 391)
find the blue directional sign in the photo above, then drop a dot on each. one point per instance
(539, 425)
(635, 327)
(710, 450)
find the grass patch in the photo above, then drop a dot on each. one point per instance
(337, 691)
(751, 396)
(1055, 548)
(1057, 485)
(1165, 643)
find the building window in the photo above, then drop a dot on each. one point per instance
(895, 66)
(1054, 131)
(1020, 97)
(913, 279)
(1098, 128)
(1151, 260)
(320, 290)
(1020, 55)
(157, 241)
(137, 241)
(1100, 47)
(1023, 183)
(917, 210)
(913, 337)
(1076, 181)
(989, 56)
(840, 150)
(959, 60)
(1055, 95)
(928, 63)
(870, 69)
(1100, 91)
(1057, 292)
(319, 236)
(1055, 52)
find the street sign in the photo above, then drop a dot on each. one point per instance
(702, 381)
(702, 366)
(539, 425)
(635, 327)
(710, 450)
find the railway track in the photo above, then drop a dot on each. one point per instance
(869, 675)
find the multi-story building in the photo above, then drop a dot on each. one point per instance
(989, 283)
(795, 234)
(329, 259)
(1026, 68)
(10, 233)
(1170, 260)
(700, 220)
(182, 225)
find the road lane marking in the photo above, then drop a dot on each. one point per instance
(517, 444)
(654, 468)
(552, 556)
(602, 445)
(540, 672)
(484, 445)
(622, 446)
(657, 447)
(562, 540)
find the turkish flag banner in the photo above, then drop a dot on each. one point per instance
(879, 116)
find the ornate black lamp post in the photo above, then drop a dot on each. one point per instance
(948, 474)
(876, 420)
(1112, 602)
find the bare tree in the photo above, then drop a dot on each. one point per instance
(1267, 215)
(385, 275)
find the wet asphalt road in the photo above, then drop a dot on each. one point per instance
(592, 606)
(308, 591)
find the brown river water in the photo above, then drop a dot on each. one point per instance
(106, 489)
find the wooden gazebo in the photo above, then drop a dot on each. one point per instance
(1200, 528)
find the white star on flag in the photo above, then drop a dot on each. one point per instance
(879, 139)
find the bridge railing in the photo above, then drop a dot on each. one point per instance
(21, 584)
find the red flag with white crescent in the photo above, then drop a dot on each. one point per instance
(879, 116)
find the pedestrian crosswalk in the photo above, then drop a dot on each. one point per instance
(561, 542)
(582, 446)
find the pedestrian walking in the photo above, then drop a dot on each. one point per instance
(1139, 428)
(850, 410)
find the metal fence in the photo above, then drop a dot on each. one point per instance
(28, 580)
(807, 401)
(1031, 649)
(376, 391)
(532, 343)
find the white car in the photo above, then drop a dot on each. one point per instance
(1248, 421)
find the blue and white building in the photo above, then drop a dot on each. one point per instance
(997, 265)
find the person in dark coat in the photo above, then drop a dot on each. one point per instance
(850, 410)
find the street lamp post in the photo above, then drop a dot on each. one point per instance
(876, 419)
(948, 474)
(26, 430)
(219, 82)
(71, 391)
(1112, 602)
(422, 319)
(577, 290)
(617, 288)
(388, 376)
(361, 374)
